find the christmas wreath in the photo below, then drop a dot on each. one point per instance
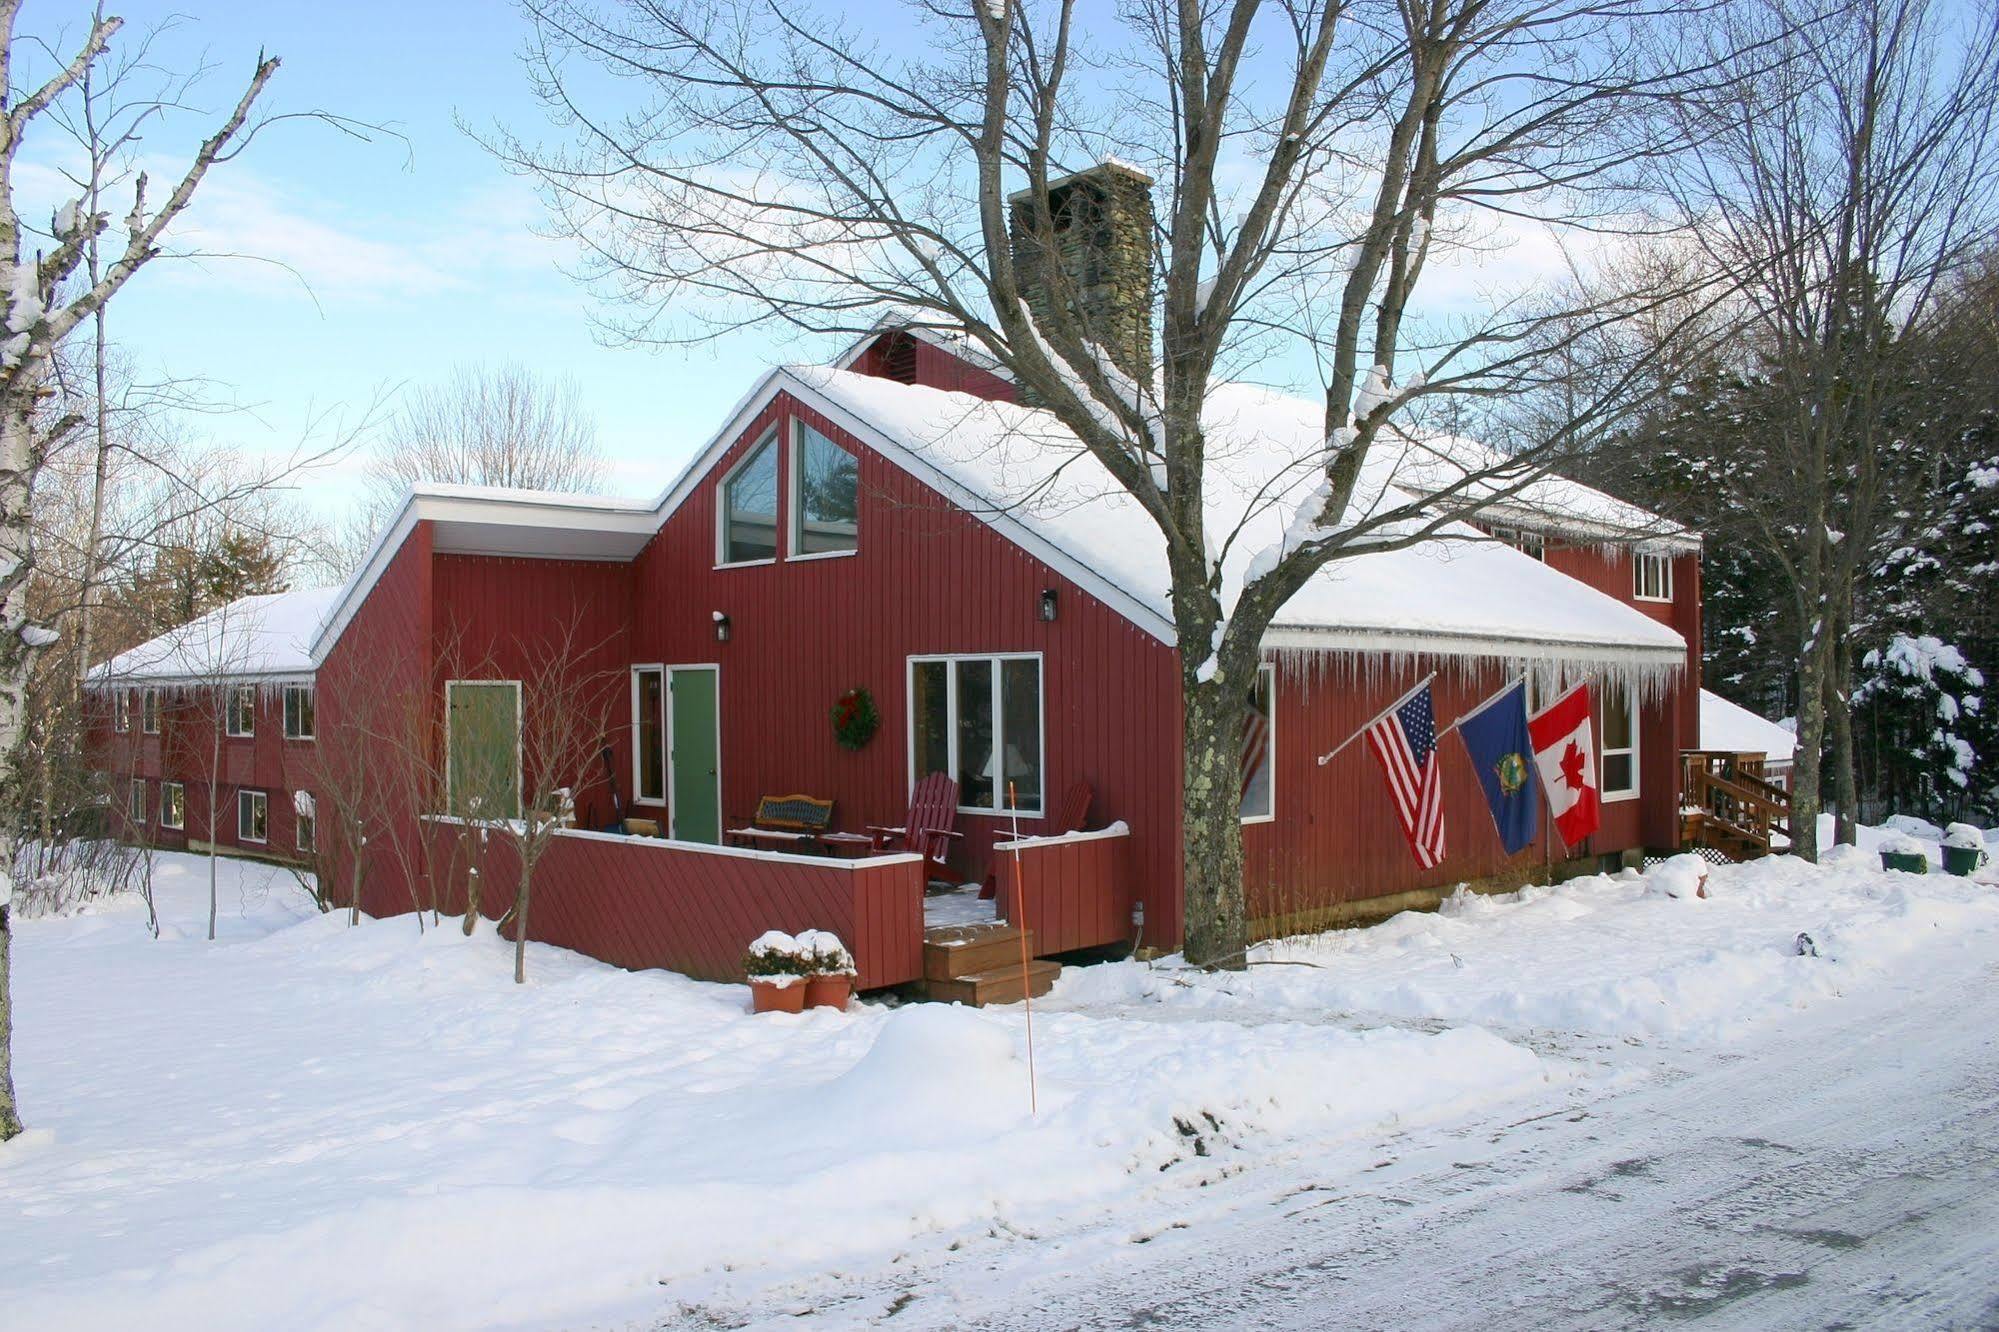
(855, 720)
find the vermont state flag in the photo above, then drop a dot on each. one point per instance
(1495, 736)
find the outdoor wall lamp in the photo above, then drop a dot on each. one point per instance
(721, 627)
(1048, 604)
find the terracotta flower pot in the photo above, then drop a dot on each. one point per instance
(828, 991)
(768, 996)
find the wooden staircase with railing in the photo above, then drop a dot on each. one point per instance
(1728, 809)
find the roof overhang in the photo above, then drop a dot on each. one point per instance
(1626, 655)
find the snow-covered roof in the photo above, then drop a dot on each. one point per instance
(1545, 503)
(262, 637)
(1023, 472)
(1735, 729)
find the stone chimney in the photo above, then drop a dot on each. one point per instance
(1100, 263)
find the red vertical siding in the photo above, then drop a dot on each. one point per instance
(928, 578)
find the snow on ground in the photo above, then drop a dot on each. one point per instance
(1608, 954)
(304, 1125)
(311, 1126)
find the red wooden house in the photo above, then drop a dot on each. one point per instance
(898, 523)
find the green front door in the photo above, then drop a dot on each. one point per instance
(484, 756)
(695, 802)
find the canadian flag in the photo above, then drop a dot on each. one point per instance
(1565, 752)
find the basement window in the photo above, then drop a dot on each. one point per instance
(1652, 577)
(242, 718)
(253, 816)
(1259, 749)
(306, 820)
(173, 805)
(979, 719)
(298, 712)
(825, 496)
(135, 802)
(749, 507)
(1619, 769)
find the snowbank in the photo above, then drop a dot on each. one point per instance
(1620, 955)
(311, 1126)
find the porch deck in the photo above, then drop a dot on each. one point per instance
(640, 902)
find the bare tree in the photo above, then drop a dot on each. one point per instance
(565, 723)
(41, 312)
(1842, 194)
(1313, 159)
(487, 426)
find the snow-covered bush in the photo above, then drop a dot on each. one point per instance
(1964, 837)
(776, 958)
(62, 878)
(824, 954)
(1920, 708)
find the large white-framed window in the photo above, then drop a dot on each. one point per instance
(173, 805)
(825, 496)
(305, 820)
(1259, 748)
(299, 709)
(649, 735)
(135, 802)
(253, 816)
(746, 508)
(1617, 769)
(149, 711)
(1652, 577)
(979, 718)
(242, 710)
(121, 710)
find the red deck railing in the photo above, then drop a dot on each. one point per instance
(1078, 888)
(643, 902)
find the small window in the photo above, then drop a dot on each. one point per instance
(306, 819)
(253, 816)
(173, 805)
(242, 719)
(825, 496)
(121, 710)
(1652, 577)
(649, 734)
(135, 802)
(979, 719)
(1259, 749)
(1619, 769)
(298, 712)
(749, 507)
(1527, 543)
(149, 712)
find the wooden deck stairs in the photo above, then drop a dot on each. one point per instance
(1729, 812)
(980, 964)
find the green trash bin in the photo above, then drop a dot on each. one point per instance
(1910, 862)
(1961, 860)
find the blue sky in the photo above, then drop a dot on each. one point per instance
(417, 257)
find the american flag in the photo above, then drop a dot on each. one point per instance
(1405, 740)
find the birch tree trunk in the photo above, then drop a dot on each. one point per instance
(16, 450)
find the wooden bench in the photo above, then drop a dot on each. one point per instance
(794, 821)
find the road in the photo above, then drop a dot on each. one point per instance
(1839, 1170)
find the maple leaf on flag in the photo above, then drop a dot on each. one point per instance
(1572, 767)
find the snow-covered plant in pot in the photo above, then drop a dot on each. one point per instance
(1899, 851)
(1963, 849)
(829, 969)
(776, 968)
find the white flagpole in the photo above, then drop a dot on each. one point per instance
(1412, 691)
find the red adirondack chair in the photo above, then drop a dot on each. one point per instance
(1070, 816)
(928, 829)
